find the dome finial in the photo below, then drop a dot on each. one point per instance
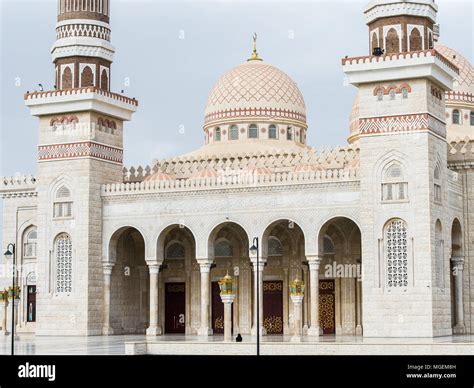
(254, 56)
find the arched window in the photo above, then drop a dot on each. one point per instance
(328, 246)
(375, 42)
(29, 243)
(392, 42)
(405, 93)
(253, 131)
(274, 247)
(415, 40)
(104, 80)
(217, 134)
(175, 251)
(430, 41)
(456, 117)
(87, 77)
(380, 95)
(289, 133)
(223, 249)
(234, 132)
(62, 203)
(472, 118)
(396, 255)
(392, 94)
(437, 183)
(394, 184)
(439, 256)
(272, 132)
(66, 81)
(63, 254)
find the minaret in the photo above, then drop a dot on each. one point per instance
(80, 148)
(401, 25)
(404, 175)
(82, 53)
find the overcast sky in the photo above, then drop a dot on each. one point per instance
(171, 77)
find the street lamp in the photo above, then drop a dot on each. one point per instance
(228, 287)
(10, 254)
(254, 252)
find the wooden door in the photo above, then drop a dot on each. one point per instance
(217, 310)
(273, 306)
(175, 308)
(327, 306)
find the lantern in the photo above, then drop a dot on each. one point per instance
(227, 285)
(297, 288)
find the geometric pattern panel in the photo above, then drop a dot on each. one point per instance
(265, 113)
(397, 253)
(80, 150)
(401, 123)
(63, 264)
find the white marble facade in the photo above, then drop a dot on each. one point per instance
(377, 229)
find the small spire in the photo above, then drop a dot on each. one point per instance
(254, 56)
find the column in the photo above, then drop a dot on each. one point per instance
(314, 262)
(258, 290)
(154, 329)
(4, 330)
(107, 268)
(305, 322)
(297, 304)
(205, 268)
(358, 288)
(458, 267)
(227, 300)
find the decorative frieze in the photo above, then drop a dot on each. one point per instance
(80, 150)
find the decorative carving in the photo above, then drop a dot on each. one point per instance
(80, 150)
(397, 254)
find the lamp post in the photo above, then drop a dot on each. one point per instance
(297, 294)
(10, 253)
(254, 251)
(228, 288)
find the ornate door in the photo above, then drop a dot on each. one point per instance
(273, 306)
(217, 310)
(175, 307)
(327, 306)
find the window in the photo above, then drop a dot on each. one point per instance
(104, 80)
(328, 246)
(405, 93)
(437, 184)
(274, 247)
(380, 95)
(472, 118)
(392, 42)
(63, 249)
(234, 132)
(415, 40)
(375, 42)
(175, 251)
(29, 243)
(223, 249)
(253, 131)
(456, 117)
(392, 94)
(87, 77)
(66, 80)
(394, 185)
(289, 133)
(62, 203)
(272, 132)
(217, 134)
(396, 254)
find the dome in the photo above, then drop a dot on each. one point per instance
(253, 91)
(465, 81)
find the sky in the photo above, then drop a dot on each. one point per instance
(169, 54)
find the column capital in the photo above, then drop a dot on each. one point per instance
(314, 262)
(154, 269)
(205, 264)
(457, 262)
(261, 265)
(107, 268)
